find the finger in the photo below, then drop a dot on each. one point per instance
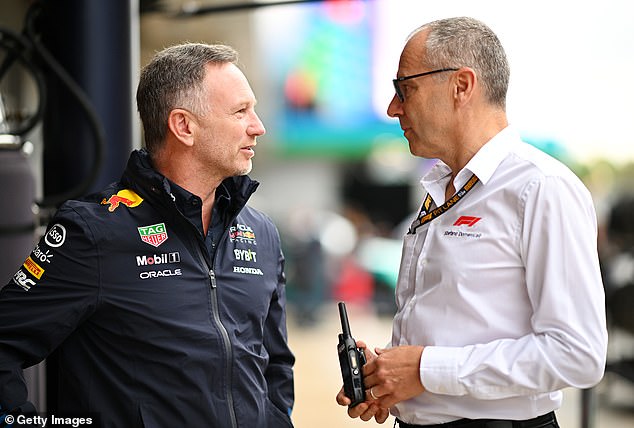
(370, 412)
(371, 374)
(370, 393)
(367, 352)
(378, 394)
(370, 366)
(358, 410)
(341, 398)
(382, 415)
(369, 378)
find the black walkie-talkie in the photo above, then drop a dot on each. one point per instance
(351, 360)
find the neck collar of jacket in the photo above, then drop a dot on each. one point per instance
(141, 176)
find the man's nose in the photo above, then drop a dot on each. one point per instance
(395, 109)
(257, 127)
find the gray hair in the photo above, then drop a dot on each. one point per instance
(173, 79)
(460, 42)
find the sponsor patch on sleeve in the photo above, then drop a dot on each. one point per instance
(55, 236)
(22, 280)
(33, 268)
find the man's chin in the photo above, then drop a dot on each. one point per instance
(245, 169)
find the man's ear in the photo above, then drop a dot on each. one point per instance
(466, 80)
(181, 124)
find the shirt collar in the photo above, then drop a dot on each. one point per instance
(483, 164)
(190, 205)
(488, 158)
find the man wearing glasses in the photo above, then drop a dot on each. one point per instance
(500, 302)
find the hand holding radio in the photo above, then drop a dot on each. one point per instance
(352, 358)
(394, 374)
(351, 361)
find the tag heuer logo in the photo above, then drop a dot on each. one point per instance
(154, 235)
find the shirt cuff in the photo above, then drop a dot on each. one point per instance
(439, 370)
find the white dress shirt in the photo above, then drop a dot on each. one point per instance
(503, 289)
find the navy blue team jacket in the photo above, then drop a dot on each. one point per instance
(152, 329)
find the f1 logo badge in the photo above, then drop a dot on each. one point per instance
(467, 219)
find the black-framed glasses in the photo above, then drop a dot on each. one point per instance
(397, 87)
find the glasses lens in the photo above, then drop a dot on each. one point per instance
(397, 89)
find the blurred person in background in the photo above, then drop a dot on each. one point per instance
(500, 302)
(164, 294)
(617, 257)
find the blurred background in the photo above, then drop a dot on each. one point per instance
(336, 173)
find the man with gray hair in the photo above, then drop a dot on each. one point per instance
(500, 301)
(164, 294)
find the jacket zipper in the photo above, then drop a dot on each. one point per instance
(216, 313)
(227, 343)
(213, 299)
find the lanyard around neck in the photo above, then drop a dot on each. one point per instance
(425, 217)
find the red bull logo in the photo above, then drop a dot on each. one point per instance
(126, 197)
(242, 233)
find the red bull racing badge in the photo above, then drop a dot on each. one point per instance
(154, 235)
(126, 197)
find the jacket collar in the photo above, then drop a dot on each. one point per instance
(141, 176)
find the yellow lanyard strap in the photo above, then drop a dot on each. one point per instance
(425, 217)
